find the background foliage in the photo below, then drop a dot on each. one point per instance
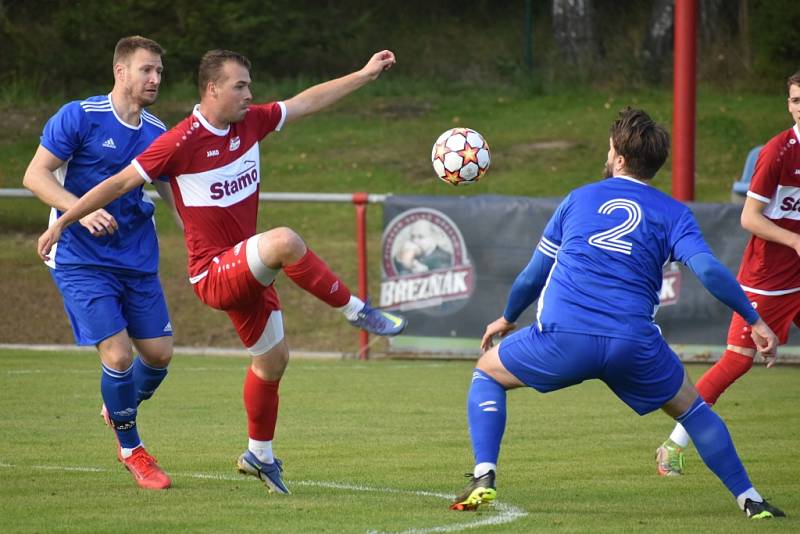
(70, 42)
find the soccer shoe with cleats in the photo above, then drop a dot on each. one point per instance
(378, 322)
(269, 474)
(145, 470)
(669, 459)
(761, 510)
(480, 491)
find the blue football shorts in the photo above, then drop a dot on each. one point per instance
(101, 303)
(644, 373)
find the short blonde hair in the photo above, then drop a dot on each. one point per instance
(128, 45)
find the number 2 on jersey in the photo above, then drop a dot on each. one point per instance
(611, 238)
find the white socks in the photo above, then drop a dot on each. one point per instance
(679, 436)
(262, 450)
(751, 494)
(351, 309)
(127, 453)
(483, 468)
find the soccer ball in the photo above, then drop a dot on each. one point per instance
(460, 156)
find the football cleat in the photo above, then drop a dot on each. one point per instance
(145, 470)
(761, 510)
(378, 322)
(669, 459)
(480, 491)
(269, 474)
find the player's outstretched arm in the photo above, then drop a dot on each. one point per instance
(97, 197)
(41, 181)
(322, 95)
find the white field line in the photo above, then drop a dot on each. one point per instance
(506, 512)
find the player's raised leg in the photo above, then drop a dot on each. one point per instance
(261, 404)
(283, 248)
(486, 414)
(714, 444)
(118, 389)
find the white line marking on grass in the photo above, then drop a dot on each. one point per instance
(506, 512)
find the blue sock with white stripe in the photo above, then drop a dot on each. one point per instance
(147, 379)
(119, 394)
(713, 442)
(486, 413)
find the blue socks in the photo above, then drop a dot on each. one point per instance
(713, 442)
(119, 395)
(486, 414)
(147, 379)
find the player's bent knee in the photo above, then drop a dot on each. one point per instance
(282, 244)
(490, 364)
(260, 266)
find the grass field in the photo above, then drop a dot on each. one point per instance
(372, 447)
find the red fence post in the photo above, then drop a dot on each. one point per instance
(360, 203)
(684, 93)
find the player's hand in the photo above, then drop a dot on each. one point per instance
(378, 63)
(766, 341)
(100, 223)
(499, 327)
(47, 240)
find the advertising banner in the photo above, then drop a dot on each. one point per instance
(448, 263)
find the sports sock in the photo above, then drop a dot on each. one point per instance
(714, 444)
(146, 378)
(262, 450)
(679, 436)
(261, 405)
(119, 395)
(725, 372)
(486, 414)
(351, 309)
(313, 275)
(751, 494)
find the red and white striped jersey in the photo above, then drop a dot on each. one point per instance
(215, 177)
(767, 267)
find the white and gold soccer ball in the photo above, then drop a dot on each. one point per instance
(460, 156)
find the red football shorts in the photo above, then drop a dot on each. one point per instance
(254, 309)
(778, 311)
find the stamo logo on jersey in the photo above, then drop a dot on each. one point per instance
(109, 143)
(212, 153)
(235, 142)
(790, 204)
(247, 177)
(424, 262)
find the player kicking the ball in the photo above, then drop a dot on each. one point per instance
(212, 161)
(597, 274)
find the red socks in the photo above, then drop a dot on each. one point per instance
(261, 405)
(725, 372)
(313, 275)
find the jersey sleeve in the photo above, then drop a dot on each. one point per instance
(64, 132)
(553, 231)
(162, 158)
(271, 117)
(686, 239)
(766, 174)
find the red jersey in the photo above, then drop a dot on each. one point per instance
(215, 177)
(769, 268)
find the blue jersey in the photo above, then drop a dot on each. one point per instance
(95, 144)
(611, 240)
